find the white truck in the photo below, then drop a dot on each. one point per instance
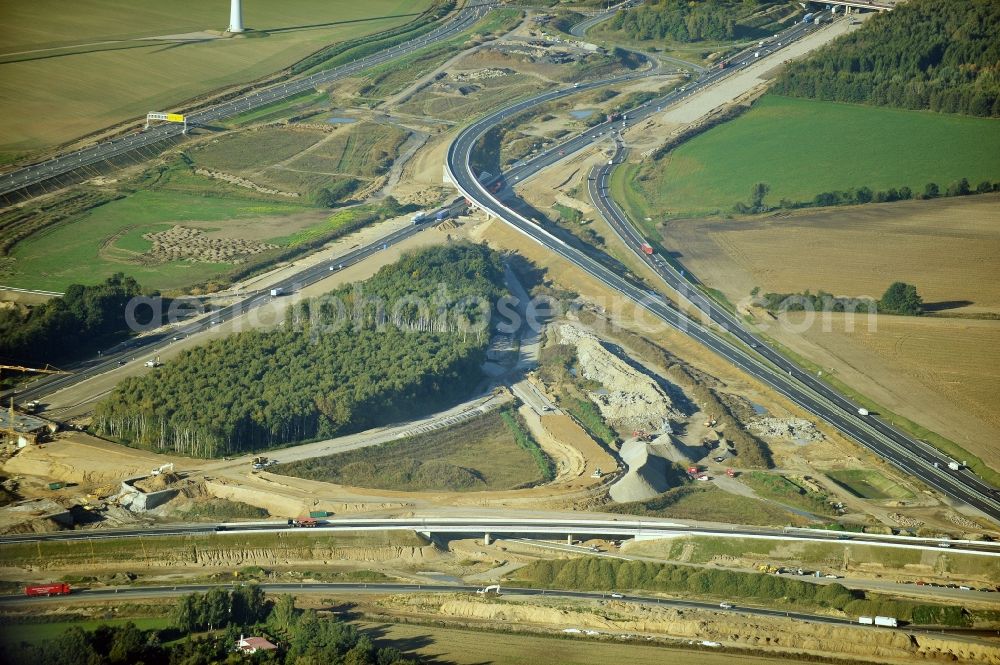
(867, 621)
(887, 622)
(954, 466)
(155, 362)
(419, 217)
(277, 292)
(862, 412)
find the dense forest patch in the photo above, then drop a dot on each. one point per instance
(406, 341)
(925, 54)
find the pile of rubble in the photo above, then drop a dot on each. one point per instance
(797, 429)
(482, 74)
(628, 398)
(903, 520)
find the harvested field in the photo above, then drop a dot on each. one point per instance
(942, 373)
(467, 646)
(118, 59)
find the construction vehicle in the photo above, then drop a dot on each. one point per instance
(58, 589)
(492, 590)
(155, 362)
(731, 473)
(164, 468)
(307, 522)
(33, 405)
(693, 471)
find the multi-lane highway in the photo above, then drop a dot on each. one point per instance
(44, 176)
(934, 465)
(732, 341)
(122, 353)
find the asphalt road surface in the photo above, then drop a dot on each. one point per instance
(731, 340)
(173, 591)
(43, 176)
(475, 525)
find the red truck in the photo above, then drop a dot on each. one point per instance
(647, 248)
(303, 522)
(47, 590)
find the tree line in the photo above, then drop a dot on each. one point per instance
(678, 20)
(409, 339)
(65, 327)
(900, 298)
(925, 54)
(603, 574)
(302, 637)
(862, 195)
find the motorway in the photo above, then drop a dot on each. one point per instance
(513, 525)
(113, 358)
(347, 587)
(23, 181)
(733, 342)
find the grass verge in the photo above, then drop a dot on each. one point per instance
(482, 453)
(698, 502)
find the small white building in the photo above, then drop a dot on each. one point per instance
(251, 645)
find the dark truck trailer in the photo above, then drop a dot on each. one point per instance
(47, 590)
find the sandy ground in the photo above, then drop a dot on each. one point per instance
(943, 373)
(648, 135)
(612, 618)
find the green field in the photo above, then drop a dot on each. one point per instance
(12, 635)
(802, 148)
(775, 487)
(103, 241)
(80, 67)
(698, 502)
(479, 454)
(868, 484)
(254, 149)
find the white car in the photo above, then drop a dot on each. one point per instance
(617, 595)
(726, 606)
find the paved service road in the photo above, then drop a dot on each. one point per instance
(731, 341)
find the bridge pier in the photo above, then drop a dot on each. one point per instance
(487, 539)
(569, 539)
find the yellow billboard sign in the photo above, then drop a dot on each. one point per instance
(175, 117)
